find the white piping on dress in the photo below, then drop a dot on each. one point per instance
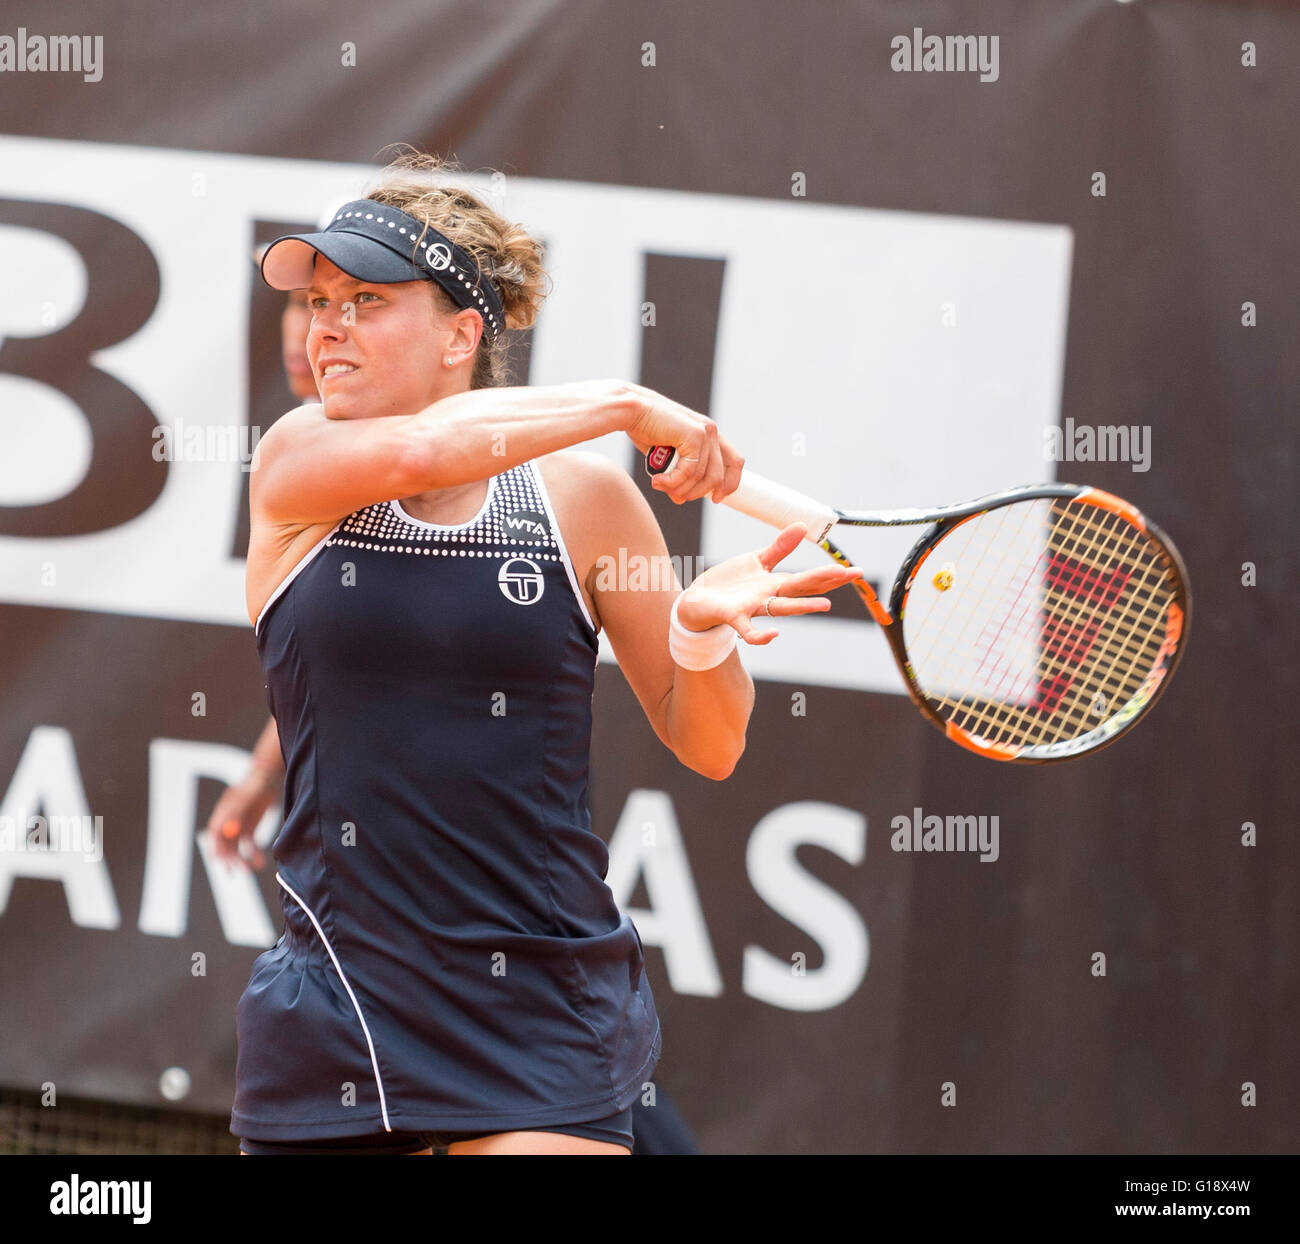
(383, 1105)
(293, 574)
(559, 539)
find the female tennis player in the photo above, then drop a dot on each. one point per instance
(424, 578)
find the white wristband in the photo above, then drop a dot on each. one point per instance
(699, 650)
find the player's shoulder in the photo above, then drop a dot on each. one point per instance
(584, 473)
(307, 415)
(290, 425)
(596, 501)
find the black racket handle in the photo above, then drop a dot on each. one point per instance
(658, 460)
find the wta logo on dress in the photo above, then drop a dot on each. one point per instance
(520, 580)
(527, 525)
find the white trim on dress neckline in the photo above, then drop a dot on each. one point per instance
(396, 507)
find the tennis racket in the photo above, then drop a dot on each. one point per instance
(1032, 625)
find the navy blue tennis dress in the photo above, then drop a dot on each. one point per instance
(452, 957)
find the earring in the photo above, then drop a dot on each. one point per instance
(447, 362)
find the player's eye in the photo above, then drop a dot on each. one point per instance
(320, 302)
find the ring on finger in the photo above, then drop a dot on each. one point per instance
(767, 606)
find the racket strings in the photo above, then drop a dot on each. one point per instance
(978, 572)
(1056, 620)
(951, 647)
(1073, 669)
(1134, 642)
(1065, 633)
(1130, 646)
(1079, 678)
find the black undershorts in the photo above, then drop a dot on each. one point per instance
(615, 1130)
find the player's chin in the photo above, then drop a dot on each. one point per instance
(346, 406)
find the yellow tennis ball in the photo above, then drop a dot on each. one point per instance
(943, 576)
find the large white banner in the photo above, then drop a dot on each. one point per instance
(873, 358)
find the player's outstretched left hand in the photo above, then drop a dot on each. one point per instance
(748, 586)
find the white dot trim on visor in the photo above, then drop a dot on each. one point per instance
(473, 289)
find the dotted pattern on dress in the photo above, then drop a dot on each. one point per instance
(378, 527)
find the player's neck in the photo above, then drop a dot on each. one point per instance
(449, 507)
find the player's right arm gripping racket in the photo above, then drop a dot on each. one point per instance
(1032, 625)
